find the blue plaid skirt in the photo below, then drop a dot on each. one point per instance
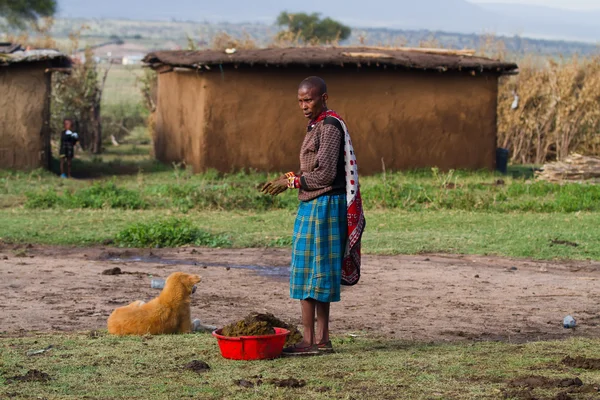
(318, 249)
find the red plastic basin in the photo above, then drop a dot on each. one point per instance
(252, 347)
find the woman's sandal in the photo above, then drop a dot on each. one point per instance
(296, 350)
(326, 347)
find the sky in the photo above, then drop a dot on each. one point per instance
(570, 4)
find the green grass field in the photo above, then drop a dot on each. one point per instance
(125, 197)
(395, 232)
(97, 366)
(121, 85)
(407, 213)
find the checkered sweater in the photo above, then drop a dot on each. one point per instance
(322, 160)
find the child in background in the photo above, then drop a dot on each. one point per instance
(68, 139)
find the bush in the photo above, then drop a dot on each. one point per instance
(120, 120)
(172, 232)
(45, 199)
(106, 195)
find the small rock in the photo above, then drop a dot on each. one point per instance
(569, 322)
(476, 276)
(228, 268)
(543, 269)
(198, 326)
(5, 257)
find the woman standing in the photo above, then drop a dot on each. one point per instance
(330, 220)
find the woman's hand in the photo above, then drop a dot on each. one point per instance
(277, 186)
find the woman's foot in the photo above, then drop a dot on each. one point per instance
(301, 349)
(326, 347)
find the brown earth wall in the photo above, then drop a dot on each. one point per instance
(250, 118)
(23, 96)
(180, 119)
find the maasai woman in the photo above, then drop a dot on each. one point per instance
(330, 221)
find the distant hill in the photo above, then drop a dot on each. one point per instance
(447, 15)
(153, 35)
(548, 21)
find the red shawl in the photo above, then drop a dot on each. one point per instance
(355, 215)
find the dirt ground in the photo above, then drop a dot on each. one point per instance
(417, 298)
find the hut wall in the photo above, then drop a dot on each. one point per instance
(23, 104)
(180, 119)
(251, 117)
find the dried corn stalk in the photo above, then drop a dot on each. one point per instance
(558, 112)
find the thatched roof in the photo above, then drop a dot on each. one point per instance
(14, 54)
(412, 59)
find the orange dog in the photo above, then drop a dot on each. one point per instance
(168, 313)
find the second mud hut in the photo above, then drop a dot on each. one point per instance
(25, 85)
(405, 109)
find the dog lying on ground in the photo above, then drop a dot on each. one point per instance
(167, 313)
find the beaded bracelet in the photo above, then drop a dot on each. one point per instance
(293, 180)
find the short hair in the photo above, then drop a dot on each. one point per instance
(316, 83)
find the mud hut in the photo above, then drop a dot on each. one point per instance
(25, 85)
(405, 108)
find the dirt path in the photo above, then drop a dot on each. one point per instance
(422, 298)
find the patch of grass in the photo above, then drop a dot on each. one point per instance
(109, 367)
(179, 189)
(99, 195)
(407, 212)
(173, 232)
(400, 232)
(476, 192)
(216, 195)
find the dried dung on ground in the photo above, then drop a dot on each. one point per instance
(534, 382)
(282, 383)
(287, 383)
(256, 324)
(197, 366)
(582, 362)
(112, 271)
(32, 375)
